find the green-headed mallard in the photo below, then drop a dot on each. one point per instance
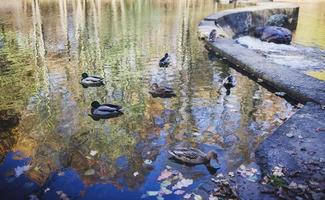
(91, 81)
(193, 156)
(165, 61)
(104, 111)
(161, 91)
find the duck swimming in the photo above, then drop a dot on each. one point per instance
(193, 156)
(161, 91)
(229, 82)
(104, 111)
(165, 61)
(91, 81)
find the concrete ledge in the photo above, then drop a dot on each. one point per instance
(297, 85)
(236, 22)
(297, 146)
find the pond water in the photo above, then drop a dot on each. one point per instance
(45, 46)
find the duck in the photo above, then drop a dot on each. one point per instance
(161, 91)
(229, 82)
(91, 81)
(105, 111)
(193, 156)
(213, 35)
(165, 61)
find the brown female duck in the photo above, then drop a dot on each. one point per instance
(193, 156)
(161, 91)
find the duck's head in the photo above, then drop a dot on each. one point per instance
(95, 104)
(84, 75)
(212, 155)
(230, 78)
(166, 55)
(214, 30)
(154, 86)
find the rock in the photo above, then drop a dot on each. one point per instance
(280, 20)
(275, 34)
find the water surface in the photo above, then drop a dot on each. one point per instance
(47, 45)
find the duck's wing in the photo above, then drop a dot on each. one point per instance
(93, 79)
(104, 108)
(186, 154)
(98, 77)
(168, 89)
(117, 107)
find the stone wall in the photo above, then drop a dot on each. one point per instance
(235, 22)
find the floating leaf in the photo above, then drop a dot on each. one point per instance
(33, 197)
(20, 170)
(160, 198)
(231, 174)
(197, 197)
(135, 173)
(93, 152)
(148, 162)
(182, 183)
(90, 172)
(277, 171)
(152, 193)
(164, 175)
(289, 135)
(165, 183)
(281, 94)
(61, 174)
(179, 192)
(166, 191)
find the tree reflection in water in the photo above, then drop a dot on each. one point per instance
(47, 45)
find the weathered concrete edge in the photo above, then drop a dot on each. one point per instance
(238, 21)
(297, 85)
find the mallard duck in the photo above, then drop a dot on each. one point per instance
(213, 35)
(165, 61)
(104, 111)
(161, 91)
(91, 81)
(229, 82)
(192, 155)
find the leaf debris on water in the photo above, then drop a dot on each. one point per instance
(148, 162)
(152, 193)
(164, 175)
(182, 183)
(21, 170)
(93, 152)
(136, 173)
(277, 171)
(179, 192)
(90, 172)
